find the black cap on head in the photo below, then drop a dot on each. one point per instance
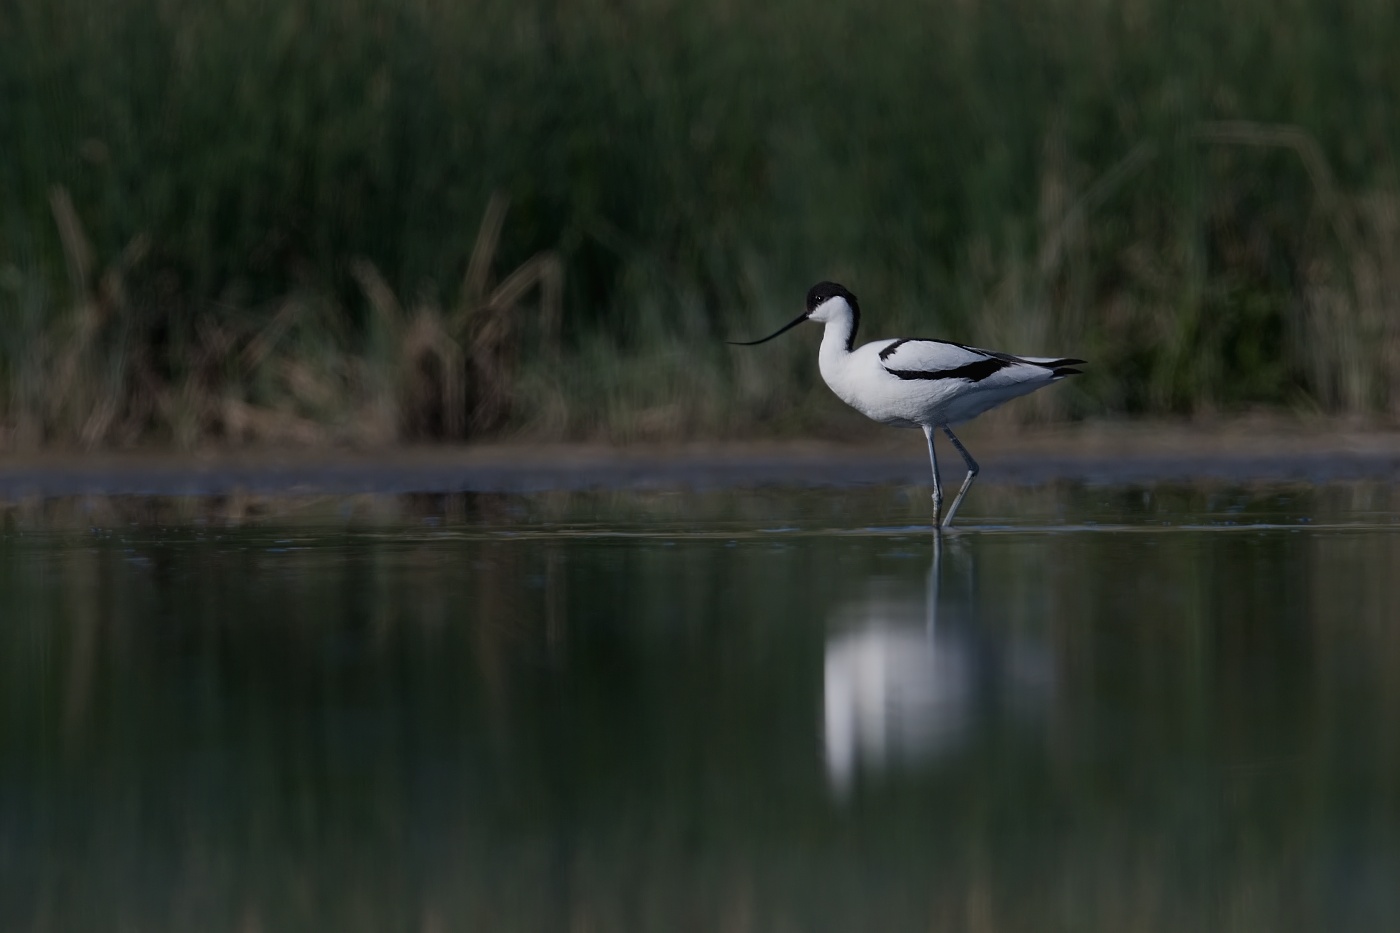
(824, 290)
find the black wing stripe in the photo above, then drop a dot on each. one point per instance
(885, 353)
(973, 372)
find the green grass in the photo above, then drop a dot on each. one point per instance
(1202, 200)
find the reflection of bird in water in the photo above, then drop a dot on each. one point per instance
(891, 693)
(905, 688)
(918, 383)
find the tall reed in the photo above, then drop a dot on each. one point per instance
(1200, 199)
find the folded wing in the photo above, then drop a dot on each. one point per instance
(939, 359)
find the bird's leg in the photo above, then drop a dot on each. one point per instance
(967, 481)
(937, 486)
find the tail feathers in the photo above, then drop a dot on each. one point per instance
(1049, 362)
(1060, 368)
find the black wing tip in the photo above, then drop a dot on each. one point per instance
(1059, 372)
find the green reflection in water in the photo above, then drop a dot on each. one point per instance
(729, 711)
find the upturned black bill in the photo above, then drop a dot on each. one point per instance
(786, 327)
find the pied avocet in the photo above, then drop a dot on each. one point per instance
(914, 382)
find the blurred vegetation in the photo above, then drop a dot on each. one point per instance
(360, 220)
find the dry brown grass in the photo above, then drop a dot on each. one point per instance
(94, 379)
(452, 373)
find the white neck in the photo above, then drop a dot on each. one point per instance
(840, 320)
(838, 336)
(836, 347)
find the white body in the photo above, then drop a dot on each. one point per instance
(933, 398)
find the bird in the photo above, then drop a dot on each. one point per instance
(915, 382)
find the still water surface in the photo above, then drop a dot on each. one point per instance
(1100, 709)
